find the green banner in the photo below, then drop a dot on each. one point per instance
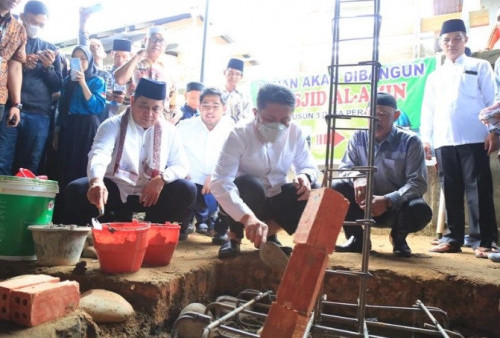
(406, 81)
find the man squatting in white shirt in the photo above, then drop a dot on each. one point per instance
(136, 164)
(250, 178)
(203, 137)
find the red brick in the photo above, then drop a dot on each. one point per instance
(40, 303)
(283, 322)
(322, 219)
(18, 282)
(302, 280)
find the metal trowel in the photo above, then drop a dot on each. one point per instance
(95, 222)
(272, 256)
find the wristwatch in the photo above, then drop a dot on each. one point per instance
(18, 106)
(49, 68)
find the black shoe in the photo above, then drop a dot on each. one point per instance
(219, 239)
(351, 245)
(229, 249)
(183, 236)
(400, 247)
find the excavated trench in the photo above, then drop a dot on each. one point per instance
(466, 288)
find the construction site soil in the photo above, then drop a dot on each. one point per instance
(467, 288)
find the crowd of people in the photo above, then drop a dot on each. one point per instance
(117, 143)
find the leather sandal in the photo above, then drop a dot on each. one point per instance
(481, 252)
(446, 247)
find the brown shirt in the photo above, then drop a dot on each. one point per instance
(12, 47)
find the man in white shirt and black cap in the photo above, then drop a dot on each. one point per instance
(250, 178)
(454, 95)
(136, 164)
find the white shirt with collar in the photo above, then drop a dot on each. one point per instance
(102, 156)
(454, 95)
(238, 105)
(203, 146)
(244, 153)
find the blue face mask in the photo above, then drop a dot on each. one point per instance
(271, 131)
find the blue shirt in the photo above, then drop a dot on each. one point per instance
(188, 112)
(94, 106)
(401, 173)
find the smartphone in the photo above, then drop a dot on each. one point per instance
(118, 89)
(74, 64)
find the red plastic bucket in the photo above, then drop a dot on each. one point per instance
(121, 247)
(162, 243)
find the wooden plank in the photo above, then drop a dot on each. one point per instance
(434, 23)
(479, 18)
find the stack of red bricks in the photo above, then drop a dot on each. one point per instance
(30, 300)
(315, 239)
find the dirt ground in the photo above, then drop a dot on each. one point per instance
(197, 275)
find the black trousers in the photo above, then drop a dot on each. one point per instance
(412, 216)
(173, 204)
(283, 208)
(466, 169)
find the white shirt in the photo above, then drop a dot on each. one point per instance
(102, 155)
(238, 105)
(245, 154)
(497, 78)
(454, 95)
(203, 146)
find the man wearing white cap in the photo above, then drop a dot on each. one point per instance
(148, 63)
(454, 95)
(136, 163)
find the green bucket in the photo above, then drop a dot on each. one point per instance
(23, 202)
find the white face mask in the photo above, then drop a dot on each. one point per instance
(32, 31)
(271, 131)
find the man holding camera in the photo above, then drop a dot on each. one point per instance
(22, 141)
